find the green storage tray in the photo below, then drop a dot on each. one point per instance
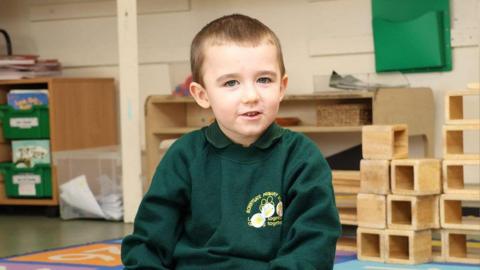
(33, 182)
(25, 124)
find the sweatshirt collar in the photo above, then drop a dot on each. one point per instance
(217, 138)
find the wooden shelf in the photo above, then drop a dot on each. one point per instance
(168, 116)
(82, 114)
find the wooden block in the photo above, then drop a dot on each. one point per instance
(385, 142)
(473, 86)
(347, 208)
(454, 109)
(346, 182)
(453, 138)
(408, 247)
(458, 246)
(452, 215)
(412, 212)
(375, 176)
(348, 216)
(370, 244)
(455, 176)
(371, 211)
(416, 176)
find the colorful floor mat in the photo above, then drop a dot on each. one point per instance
(106, 256)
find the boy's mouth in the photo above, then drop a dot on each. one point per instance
(251, 114)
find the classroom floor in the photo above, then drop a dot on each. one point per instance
(26, 232)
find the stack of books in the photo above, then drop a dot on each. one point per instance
(14, 67)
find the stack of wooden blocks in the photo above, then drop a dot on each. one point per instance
(460, 191)
(397, 206)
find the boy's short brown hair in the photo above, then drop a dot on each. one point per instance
(235, 28)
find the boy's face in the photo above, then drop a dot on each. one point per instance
(244, 87)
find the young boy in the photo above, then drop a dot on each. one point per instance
(242, 193)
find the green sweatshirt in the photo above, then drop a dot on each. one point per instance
(214, 204)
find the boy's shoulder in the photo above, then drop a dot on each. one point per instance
(189, 142)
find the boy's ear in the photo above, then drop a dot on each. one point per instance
(283, 86)
(199, 94)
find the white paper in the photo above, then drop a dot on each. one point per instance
(76, 194)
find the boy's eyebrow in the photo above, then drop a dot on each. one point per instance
(267, 72)
(226, 76)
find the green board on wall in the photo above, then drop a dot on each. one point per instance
(411, 35)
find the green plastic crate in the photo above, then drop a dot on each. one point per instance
(33, 182)
(25, 124)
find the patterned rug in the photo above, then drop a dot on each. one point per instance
(106, 256)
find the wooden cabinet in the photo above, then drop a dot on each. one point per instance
(169, 117)
(82, 114)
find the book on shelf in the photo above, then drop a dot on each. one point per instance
(24, 99)
(27, 153)
(6, 60)
(18, 67)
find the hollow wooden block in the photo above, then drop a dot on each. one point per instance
(408, 247)
(454, 107)
(453, 138)
(412, 212)
(451, 214)
(457, 248)
(454, 178)
(416, 176)
(385, 142)
(370, 244)
(375, 176)
(371, 211)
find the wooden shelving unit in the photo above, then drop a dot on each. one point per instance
(169, 117)
(82, 114)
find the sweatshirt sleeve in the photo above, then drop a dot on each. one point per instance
(311, 223)
(157, 225)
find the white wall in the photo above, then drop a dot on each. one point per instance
(317, 37)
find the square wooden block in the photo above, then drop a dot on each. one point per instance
(412, 212)
(454, 109)
(370, 244)
(453, 141)
(416, 176)
(460, 246)
(385, 142)
(375, 176)
(460, 176)
(408, 247)
(371, 211)
(453, 214)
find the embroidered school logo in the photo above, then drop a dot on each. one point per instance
(265, 210)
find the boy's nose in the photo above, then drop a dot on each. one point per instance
(250, 94)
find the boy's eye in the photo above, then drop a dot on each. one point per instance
(231, 83)
(264, 80)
